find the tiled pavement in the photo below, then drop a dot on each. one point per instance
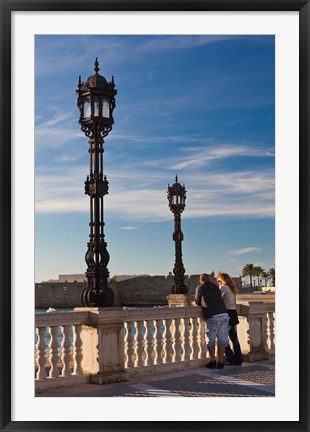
(249, 380)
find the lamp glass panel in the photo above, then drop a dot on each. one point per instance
(86, 108)
(105, 108)
(96, 107)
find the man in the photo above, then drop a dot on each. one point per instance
(209, 297)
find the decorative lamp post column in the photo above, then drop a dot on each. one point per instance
(176, 195)
(96, 102)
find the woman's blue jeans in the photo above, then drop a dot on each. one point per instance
(233, 355)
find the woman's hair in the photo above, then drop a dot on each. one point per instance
(228, 281)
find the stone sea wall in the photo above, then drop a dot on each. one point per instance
(139, 291)
(150, 290)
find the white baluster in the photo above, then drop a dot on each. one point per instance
(270, 331)
(248, 333)
(168, 341)
(194, 339)
(41, 347)
(139, 345)
(126, 359)
(158, 342)
(66, 345)
(129, 345)
(149, 343)
(264, 331)
(273, 328)
(173, 341)
(77, 350)
(53, 357)
(186, 339)
(178, 351)
(202, 338)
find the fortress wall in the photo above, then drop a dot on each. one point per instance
(139, 291)
(58, 295)
(150, 290)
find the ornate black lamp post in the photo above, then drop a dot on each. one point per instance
(176, 195)
(96, 102)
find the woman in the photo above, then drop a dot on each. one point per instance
(229, 291)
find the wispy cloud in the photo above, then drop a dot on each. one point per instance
(59, 129)
(246, 250)
(142, 196)
(75, 51)
(129, 228)
(196, 157)
(184, 42)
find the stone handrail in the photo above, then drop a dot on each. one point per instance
(103, 345)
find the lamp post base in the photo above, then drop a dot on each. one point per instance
(179, 300)
(89, 297)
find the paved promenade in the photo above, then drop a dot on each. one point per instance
(249, 380)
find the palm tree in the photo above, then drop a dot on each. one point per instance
(249, 270)
(266, 276)
(258, 270)
(272, 274)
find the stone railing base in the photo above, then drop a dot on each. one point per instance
(256, 356)
(109, 377)
(156, 370)
(42, 384)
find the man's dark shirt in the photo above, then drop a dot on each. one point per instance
(209, 296)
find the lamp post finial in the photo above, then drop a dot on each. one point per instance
(96, 68)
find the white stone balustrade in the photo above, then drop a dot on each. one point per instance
(58, 358)
(103, 345)
(256, 330)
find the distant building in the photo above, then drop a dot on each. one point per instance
(72, 278)
(79, 278)
(130, 276)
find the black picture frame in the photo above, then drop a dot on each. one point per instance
(7, 7)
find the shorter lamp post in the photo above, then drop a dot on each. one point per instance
(176, 195)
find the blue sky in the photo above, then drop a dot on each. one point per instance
(201, 107)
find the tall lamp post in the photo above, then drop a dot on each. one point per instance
(96, 102)
(176, 195)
